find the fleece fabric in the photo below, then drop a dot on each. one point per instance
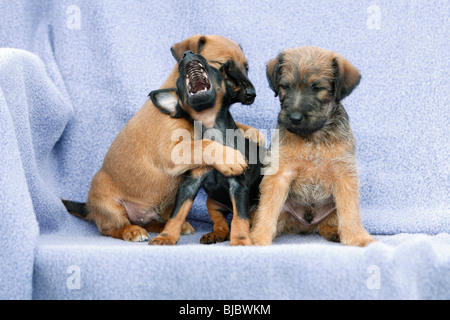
(72, 73)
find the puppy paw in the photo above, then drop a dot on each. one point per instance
(214, 237)
(233, 167)
(187, 229)
(240, 240)
(331, 233)
(361, 240)
(261, 242)
(254, 135)
(162, 240)
(134, 233)
(262, 238)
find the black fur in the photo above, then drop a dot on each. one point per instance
(76, 208)
(244, 189)
(235, 77)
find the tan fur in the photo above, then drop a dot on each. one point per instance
(138, 168)
(313, 169)
(221, 231)
(240, 229)
(174, 227)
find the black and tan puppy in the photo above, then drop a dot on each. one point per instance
(200, 87)
(316, 186)
(135, 188)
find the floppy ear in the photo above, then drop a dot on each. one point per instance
(166, 100)
(225, 68)
(347, 77)
(231, 85)
(273, 69)
(194, 44)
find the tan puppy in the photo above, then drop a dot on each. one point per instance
(135, 188)
(316, 187)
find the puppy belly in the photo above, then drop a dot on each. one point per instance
(139, 216)
(308, 215)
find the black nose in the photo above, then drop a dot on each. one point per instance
(250, 94)
(296, 118)
(187, 53)
(309, 217)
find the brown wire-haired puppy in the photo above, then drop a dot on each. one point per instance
(316, 186)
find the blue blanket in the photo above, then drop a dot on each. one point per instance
(72, 73)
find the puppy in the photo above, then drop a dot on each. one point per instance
(135, 188)
(201, 87)
(316, 187)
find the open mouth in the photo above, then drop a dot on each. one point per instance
(197, 79)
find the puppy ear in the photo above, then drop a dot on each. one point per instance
(231, 84)
(347, 77)
(166, 100)
(194, 44)
(273, 69)
(225, 68)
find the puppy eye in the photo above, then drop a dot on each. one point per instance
(317, 88)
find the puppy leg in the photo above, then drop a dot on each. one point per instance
(199, 158)
(274, 191)
(221, 231)
(240, 225)
(171, 233)
(158, 226)
(351, 230)
(110, 215)
(329, 228)
(183, 202)
(111, 220)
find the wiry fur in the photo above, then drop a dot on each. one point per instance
(316, 186)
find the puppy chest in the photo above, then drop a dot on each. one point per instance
(309, 202)
(310, 192)
(313, 180)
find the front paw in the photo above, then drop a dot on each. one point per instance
(262, 239)
(233, 166)
(163, 240)
(231, 170)
(357, 240)
(254, 135)
(240, 240)
(187, 229)
(214, 237)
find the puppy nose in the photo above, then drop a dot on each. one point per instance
(296, 117)
(187, 53)
(250, 94)
(309, 217)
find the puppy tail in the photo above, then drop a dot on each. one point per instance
(78, 209)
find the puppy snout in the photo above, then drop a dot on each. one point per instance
(250, 94)
(296, 118)
(187, 53)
